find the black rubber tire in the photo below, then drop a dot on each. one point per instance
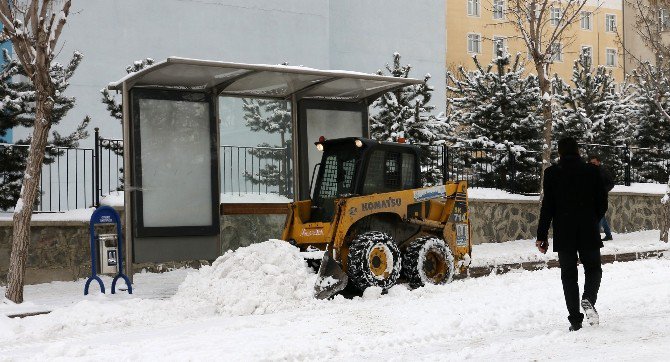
(414, 258)
(359, 270)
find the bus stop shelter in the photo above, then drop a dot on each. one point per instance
(171, 142)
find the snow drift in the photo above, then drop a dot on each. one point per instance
(262, 278)
(258, 279)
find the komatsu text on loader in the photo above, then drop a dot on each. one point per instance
(375, 222)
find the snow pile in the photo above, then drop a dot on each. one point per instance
(641, 188)
(113, 199)
(253, 198)
(70, 215)
(484, 193)
(258, 279)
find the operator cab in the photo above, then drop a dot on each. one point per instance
(359, 166)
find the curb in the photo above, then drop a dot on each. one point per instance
(483, 271)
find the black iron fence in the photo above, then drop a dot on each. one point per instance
(515, 170)
(66, 181)
(519, 171)
(77, 177)
(108, 172)
(256, 170)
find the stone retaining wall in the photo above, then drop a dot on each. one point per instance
(495, 221)
(59, 250)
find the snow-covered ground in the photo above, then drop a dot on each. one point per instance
(255, 304)
(641, 188)
(49, 296)
(518, 251)
(482, 193)
(253, 198)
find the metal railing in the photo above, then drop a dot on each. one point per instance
(256, 170)
(519, 171)
(513, 170)
(108, 173)
(77, 177)
(66, 181)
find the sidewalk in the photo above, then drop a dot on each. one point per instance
(487, 259)
(500, 258)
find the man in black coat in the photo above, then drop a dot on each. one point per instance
(608, 181)
(575, 201)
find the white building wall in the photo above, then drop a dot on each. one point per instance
(356, 35)
(364, 34)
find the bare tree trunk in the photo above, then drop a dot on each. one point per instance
(29, 190)
(664, 217)
(664, 221)
(545, 89)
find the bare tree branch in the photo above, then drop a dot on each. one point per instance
(61, 24)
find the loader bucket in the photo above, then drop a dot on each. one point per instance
(331, 278)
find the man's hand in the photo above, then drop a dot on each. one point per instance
(542, 246)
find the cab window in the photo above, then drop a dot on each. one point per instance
(388, 172)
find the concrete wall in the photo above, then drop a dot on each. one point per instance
(60, 250)
(342, 34)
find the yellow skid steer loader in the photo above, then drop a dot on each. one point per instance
(371, 222)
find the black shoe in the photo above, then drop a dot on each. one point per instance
(576, 322)
(590, 312)
(607, 238)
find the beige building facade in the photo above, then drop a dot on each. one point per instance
(479, 27)
(658, 18)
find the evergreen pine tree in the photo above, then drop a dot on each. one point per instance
(17, 109)
(592, 111)
(115, 109)
(499, 111)
(272, 117)
(651, 128)
(406, 113)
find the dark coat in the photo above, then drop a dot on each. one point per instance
(575, 200)
(608, 179)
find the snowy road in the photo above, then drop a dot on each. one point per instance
(520, 315)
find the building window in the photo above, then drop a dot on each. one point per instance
(474, 43)
(663, 19)
(610, 57)
(556, 52)
(587, 52)
(499, 44)
(498, 9)
(610, 23)
(555, 17)
(586, 21)
(473, 7)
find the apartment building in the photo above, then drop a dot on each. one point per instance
(657, 19)
(481, 27)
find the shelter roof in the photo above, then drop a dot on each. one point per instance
(262, 80)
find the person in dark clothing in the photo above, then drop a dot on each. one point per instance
(574, 200)
(608, 181)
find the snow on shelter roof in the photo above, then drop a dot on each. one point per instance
(261, 80)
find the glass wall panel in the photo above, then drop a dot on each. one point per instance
(176, 163)
(255, 154)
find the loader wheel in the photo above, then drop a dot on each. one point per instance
(428, 260)
(374, 261)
